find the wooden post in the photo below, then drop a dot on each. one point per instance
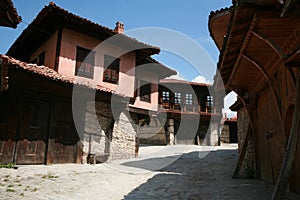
(18, 130)
(49, 154)
(249, 133)
(289, 157)
(243, 153)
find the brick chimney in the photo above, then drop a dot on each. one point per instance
(119, 27)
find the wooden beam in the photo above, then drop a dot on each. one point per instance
(58, 48)
(270, 43)
(243, 48)
(292, 64)
(287, 6)
(285, 171)
(290, 57)
(292, 75)
(18, 129)
(225, 47)
(228, 36)
(242, 154)
(268, 79)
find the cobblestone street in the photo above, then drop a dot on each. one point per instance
(199, 173)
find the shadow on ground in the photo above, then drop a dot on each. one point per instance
(191, 177)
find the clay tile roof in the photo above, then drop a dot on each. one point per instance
(52, 16)
(183, 82)
(220, 11)
(8, 14)
(51, 74)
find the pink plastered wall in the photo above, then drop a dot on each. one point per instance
(50, 50)
(152, 78)
(67, 61)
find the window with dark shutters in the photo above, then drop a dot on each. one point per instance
(111, 69)
(85, 60)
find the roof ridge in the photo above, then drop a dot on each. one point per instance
(61, 12)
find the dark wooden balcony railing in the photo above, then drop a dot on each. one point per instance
(196, 108)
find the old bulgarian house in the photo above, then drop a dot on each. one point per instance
(189, 115)
(259, 60)
(62, 109)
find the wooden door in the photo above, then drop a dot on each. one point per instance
(65, 139)
(33, 133)
(8, 128)
(65, 145)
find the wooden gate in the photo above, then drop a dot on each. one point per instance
(65, 139)
(26, 136)
(65, 145)
(8, 127)
(33, 132)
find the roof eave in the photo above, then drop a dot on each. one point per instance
(10, 14)
(214, 15)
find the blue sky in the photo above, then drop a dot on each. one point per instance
(187, 17)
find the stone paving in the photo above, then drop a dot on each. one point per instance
(160, 172)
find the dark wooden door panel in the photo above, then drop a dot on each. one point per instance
(66, 139)
(64, 153)
(32, 139)
(8, 127)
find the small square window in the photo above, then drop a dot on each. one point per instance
(165, 96)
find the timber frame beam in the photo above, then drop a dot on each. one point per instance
(243, 48)
(269, 81)
(287, 6)
(270, 43)
(289, 157)
(250, 131)
(292, 55)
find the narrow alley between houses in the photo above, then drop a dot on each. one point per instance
(160, 172)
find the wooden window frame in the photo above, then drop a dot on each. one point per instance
(85, 62)
(165, 98)
(40, 59)
(111, 69)
(209, 101)
(145, 91)
(188, 99)
(177, 98)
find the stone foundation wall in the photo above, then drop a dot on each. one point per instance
(95, 140)
(225, 134)
(123, 142)
(248, 166)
